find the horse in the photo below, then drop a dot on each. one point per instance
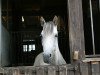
(51, 54)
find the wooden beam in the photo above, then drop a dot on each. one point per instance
(76, 32)
(29, 12)
(91, 60)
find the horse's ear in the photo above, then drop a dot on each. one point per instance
(42, 21)
(55, 20)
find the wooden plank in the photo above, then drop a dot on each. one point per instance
(70, 72)
(63, 70)
(30, 71)
(77, 69)
(21, 71)
(52, 70)
(95, 68)
(9, 71)
(77, 73)
(5, 72)
(89, 68)
(76, 32)
(1, 70)
(40, 70)
(15, 71)
(33, 71)
(91, 59)
(84, 69)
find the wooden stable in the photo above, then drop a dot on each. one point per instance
(80, 65)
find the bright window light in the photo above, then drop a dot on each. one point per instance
(31, 47)
(28, 48)
(25, 48)
(22, 19)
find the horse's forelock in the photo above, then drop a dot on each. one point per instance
(48, 28)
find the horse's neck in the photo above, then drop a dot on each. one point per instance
(56, 45)
(58, 55)
(57, 51)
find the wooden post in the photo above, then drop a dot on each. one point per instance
(76, 32)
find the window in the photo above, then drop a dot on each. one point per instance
(28, 48)
(24, 48)
(91, 19)
(28, 45)
(31, 47)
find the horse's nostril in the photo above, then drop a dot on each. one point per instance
(56, 35)
(50, 55)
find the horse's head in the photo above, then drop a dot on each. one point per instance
(49, 38)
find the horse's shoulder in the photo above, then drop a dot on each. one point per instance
(38, 59)
(40, 55)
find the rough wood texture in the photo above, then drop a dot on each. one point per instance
(63, 70)
(31, 70)
(40, 71)
(76, 32)
(91, 60)
(90, 68)
(51, 70)
(71, 73)
(84, 69)
(95, 68)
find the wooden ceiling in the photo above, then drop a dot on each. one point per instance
(13, 10)
(33, 7)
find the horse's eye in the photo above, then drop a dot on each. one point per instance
(40, 35)
(56, 35)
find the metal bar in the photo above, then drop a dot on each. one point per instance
(92, 29)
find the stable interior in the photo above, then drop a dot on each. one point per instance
(21, 41)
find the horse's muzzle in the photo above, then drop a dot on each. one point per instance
(46, 58)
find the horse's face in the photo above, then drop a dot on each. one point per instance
(49, 38)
